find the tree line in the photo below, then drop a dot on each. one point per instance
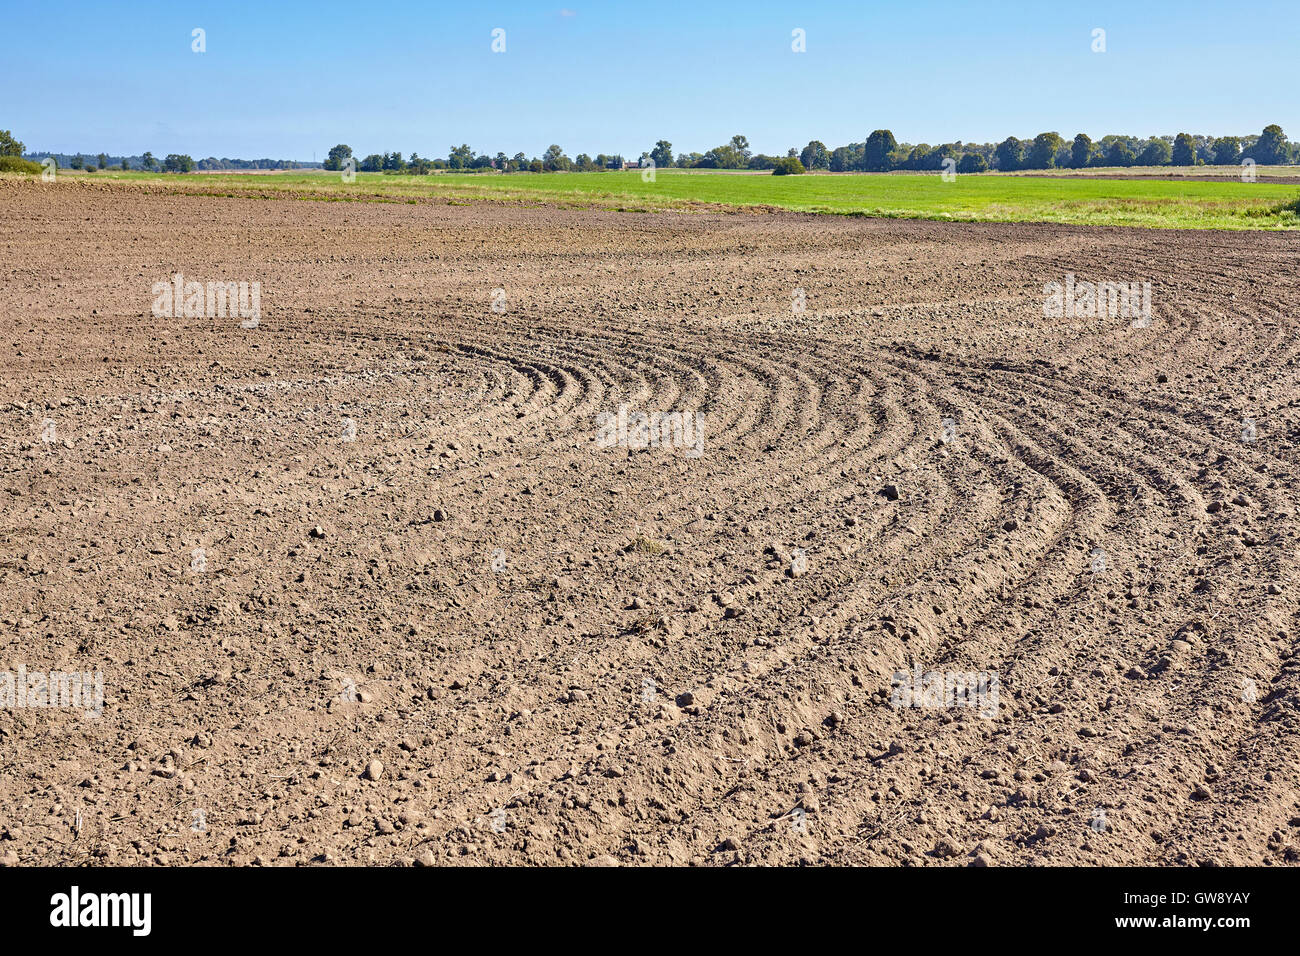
(171, 163)
(879, 152)
(463, 159)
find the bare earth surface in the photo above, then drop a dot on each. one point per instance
(564, 653)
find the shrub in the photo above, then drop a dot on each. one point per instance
(788, 166)
(1284, 208)
(16, 164)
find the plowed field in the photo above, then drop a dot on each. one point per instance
(380, 526)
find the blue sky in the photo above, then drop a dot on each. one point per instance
(288, 80)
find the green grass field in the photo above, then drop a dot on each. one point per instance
(1229, 204)
(1232, 173)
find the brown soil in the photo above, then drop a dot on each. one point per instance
(565, 653)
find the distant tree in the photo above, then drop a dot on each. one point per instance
(1010, 154)
(178, 163)
(460, 157)
(8, 145)
(1157, 152)
(939, 154)
(841, 158)
(1119, 154)
(102, 161)
(1227, 151)
(760, 161)
(814, 156)
(662, 154)
(338, 155)
(741, 145)
(554, 160)
(535, 166)
(879, 148)
(788, 166)
(1042, 152)
(972, 163)
(721, 157)
(1184, 151)
(856, 152)
(1081, 151)
(520, 160)
(77, 162)
(918, 158)
(373, 163)
(147, 161)
(126, 165)
(1271, 148)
